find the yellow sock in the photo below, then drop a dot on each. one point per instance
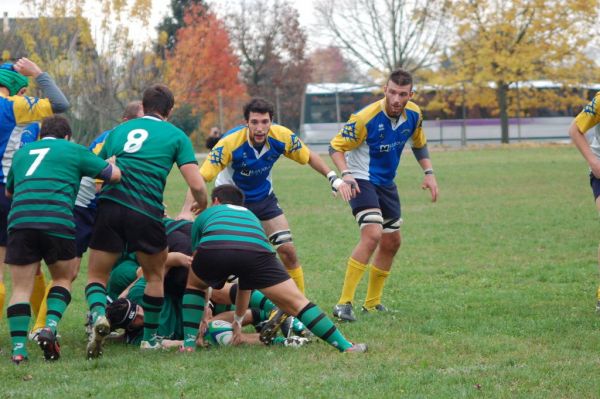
(2, 296)
(375, 288)
(354, 272)
(298, 276)
(40, 320)
(37, 295)
(598, 294)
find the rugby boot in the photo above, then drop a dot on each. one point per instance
(377, 308)
(344, 311)
(100, 331)
(271, 326)
(357, 348)
(48, 342)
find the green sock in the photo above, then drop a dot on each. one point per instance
(152, 306)
(58, 300)
(19, 316)
(95, 294)
(193, 310)
(259, 301)
(315, 320)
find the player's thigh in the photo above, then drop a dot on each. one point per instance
(278, 223)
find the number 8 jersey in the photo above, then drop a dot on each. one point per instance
(146, 149)
(44, 179)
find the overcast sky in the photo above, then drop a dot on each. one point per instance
(160, 8)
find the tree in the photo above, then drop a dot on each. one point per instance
(328, 65)
(508, 42)
(386, 34)
(272, 48)
(169, 26)
(100, 74)
(203, 70)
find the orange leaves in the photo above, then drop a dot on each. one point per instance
(203, 67)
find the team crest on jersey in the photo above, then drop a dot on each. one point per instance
(31, 101)
(216, 155)
(349, 132)
(591, 107)
(296, 143)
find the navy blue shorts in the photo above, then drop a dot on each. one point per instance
(84, 225)
(4, 209)
(385, 198)
(266, 209)
(595, 183)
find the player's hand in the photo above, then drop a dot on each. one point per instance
(27, 67)
(195, 208)
(112, 160)
(185, 216)
(429, 182)
(346, 191)
(183, 259)
(349, 179)
(236, 337)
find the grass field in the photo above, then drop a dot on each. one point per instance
(492, 296)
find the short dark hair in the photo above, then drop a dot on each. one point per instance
(228, 194)
(258, 105)
(132, 109)
(158, 99)
(55, 126)
(401, 77)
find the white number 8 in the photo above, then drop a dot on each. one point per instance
(135, 139)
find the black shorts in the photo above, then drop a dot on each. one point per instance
(266, 209)
(84, 225)
(595, 184)
(4, 209)
(385, 198)
(118, 226)
(255, 270)
(26, 246)
(180, 240)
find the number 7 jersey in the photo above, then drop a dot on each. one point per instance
(44, 179)
(146, 149)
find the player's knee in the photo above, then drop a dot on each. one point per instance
(281, 237)
(287, 254)
(391, 243)
(368, 218)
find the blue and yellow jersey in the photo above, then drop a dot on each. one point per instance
(86, 197)
(587, 119)
(235, 161)
(373, 143)
(16, 115)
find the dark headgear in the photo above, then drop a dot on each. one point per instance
(121, 313)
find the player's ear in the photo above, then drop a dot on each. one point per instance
(216, 201)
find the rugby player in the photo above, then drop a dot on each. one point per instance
(367, 152)
(43, 181)
(229, 240)
(245, 157)
(131, 214)
(584, 121)
(18, 115)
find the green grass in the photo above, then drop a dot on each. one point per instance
(492, 296)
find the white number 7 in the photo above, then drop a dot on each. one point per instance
(41, 153)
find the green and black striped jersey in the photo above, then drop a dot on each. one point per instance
(229, 227)
(146, 149)
(44, 179)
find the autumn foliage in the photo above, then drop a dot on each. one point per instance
(203, 67)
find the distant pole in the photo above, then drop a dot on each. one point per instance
(463, 127)
(220, 96)
(277, 105)
(338, 114)
(518, 112)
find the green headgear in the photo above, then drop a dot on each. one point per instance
(12, 79)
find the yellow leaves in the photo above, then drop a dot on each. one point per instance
(5, 55)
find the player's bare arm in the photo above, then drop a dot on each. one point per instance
(583, 146)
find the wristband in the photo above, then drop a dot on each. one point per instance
(346, 172)
(331, 176)
(428, 171)
(336, 184)
(238, 319)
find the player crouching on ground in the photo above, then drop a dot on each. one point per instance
(229, 240)
(43, 181)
